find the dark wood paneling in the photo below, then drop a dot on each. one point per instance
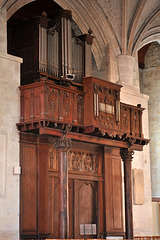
(55, 209)
(28, 189)
(43, 188)
(53, 204)
(113, 192)
(71, 207)
(117, 192)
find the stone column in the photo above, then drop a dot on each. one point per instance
(126, 69)
(127, 155)
(63, 145)
(3, 31)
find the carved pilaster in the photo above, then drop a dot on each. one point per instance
(127, 156)
(63, 145)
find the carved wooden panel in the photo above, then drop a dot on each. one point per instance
(106, 121)
(52, 158)
(52, 103)
(84, 162)
(80, 109)
(67, 106)
(125, 119)
(47, 101)
(101, 103)
(27, 108)
(135, 118)
(28, 189)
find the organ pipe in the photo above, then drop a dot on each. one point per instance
(42, 49)
(70, 55)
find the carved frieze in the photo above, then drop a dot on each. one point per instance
(106, 91)
(83, 162)
(75, 161)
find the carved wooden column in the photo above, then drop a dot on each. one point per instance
(127, 155)
(63, 145)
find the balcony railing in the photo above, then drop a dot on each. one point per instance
(45, 101)
(97, 112)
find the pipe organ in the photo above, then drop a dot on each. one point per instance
(51, 47)
(73, 135)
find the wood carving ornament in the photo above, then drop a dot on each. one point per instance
(63, 143)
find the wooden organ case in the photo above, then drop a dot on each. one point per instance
(73, 137)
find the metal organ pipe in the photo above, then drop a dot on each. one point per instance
(69, 47)
(62, 33)
(42, 49)
(65, 46)
(57, 54)
(53, 54)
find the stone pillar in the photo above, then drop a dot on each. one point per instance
(126, 69)
(63, 145)
(126, 155)
(3, 31)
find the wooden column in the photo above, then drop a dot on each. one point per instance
(63, 145)
(127, 155)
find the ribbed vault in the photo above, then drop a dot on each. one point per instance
(141, 28)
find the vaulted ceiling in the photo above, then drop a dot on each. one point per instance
(126, 25)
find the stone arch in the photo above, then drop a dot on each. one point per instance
(88, 14)
(149, 32)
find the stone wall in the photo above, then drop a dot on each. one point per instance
(9, 146)
(3, 31)
(150, 84)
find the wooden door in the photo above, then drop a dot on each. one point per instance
(85, 190)
(83, 207)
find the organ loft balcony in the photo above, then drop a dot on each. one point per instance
(57, 88)
(91, 109)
